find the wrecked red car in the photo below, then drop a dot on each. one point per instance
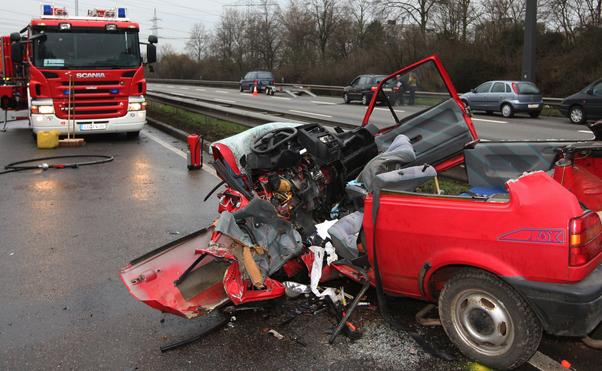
(519, 254)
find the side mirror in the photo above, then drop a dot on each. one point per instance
(473, 90)
(15, 36)
(152, 39)
(16, 53)
(151, 53)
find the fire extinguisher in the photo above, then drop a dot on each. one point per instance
(195, 152)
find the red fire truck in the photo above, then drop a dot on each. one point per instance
(13, 94)
(83, 73)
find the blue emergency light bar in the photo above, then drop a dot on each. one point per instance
(121, 13)
(47, 9)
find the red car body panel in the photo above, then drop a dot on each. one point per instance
(504, 238)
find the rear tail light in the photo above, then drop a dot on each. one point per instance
(585, 239)
(373, 88)
(514, 88)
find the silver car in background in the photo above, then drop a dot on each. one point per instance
(507, 97)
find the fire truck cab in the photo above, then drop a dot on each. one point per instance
(85, 73)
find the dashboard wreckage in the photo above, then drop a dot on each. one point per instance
(519, 254)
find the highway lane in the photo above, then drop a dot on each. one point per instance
(489, 127)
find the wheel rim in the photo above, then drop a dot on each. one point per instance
(364, 100)
(483, 322)
(576, 115)
(345, 98)
(506, 111)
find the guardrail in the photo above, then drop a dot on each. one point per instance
(318, 89)
(238, 114)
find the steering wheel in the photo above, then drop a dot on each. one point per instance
(273, 139)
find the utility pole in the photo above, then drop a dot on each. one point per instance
(155, 28)
(529, 47)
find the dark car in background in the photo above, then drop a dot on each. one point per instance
(263, 79)
(507, 97)
(362, 88)
(585, 105)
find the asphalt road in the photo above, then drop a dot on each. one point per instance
(65, 233)
(489, 127)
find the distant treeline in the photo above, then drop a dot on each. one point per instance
(330, 42)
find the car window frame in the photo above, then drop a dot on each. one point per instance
(489, 84)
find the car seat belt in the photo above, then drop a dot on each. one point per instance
(382, 305)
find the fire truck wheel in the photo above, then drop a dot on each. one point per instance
(488, 320)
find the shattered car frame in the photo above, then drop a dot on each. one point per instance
(472, 254)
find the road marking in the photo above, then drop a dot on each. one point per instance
(178, 151)
(225, 100)
(199, 89)
(221, 92)
(283, 98)
(308, 113)
(543, 362)
(318, 102)
(386, 109)
(493, 121)
(183, 88)
(584, 131)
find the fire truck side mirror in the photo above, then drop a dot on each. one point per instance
(16, 54)
(151, 53)
(151, 49)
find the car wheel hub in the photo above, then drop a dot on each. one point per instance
(483, 322)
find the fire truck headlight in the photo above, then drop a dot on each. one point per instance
(137, 106)
(43, 110)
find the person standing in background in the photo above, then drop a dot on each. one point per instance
(412, 85)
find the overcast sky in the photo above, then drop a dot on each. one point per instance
(176, 17)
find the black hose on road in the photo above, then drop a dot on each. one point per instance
(17, 166)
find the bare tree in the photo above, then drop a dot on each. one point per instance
(198, 42)
(228, 43)
(298, 27)
(417, 10)
(454, 17)
(326, 15)
(270, 29)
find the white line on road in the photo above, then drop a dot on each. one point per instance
(221, 92)
(225, 100)
(183, 88)
(199, 89)
(177, 151)
(283, 98)
(386, 109)
(543, 362)
(308, 113)
(584, 131)
(492, 121)
(318, 102)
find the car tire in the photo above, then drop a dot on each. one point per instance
(507, 110)
(577, 115)
(488, 320)
(241, 89)
(346, 98)
(365, 100)
(465, 103)
(535, 114)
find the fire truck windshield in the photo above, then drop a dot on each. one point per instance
(89, 49)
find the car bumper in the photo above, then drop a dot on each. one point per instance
(565, 309)
(564, 110)
(528, 107)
